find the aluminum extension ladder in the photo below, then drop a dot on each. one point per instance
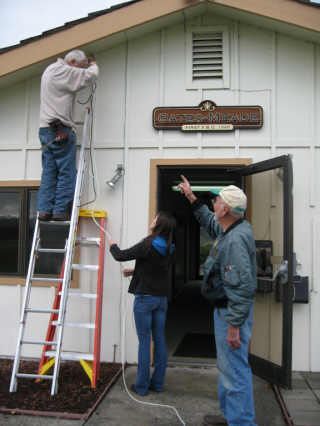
(64, 279)
(89, 361)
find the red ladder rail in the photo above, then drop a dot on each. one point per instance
(97, 331)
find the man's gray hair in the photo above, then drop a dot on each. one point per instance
(76, 55)
(233, 212)
(236, 213)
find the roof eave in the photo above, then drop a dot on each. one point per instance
(105, 25)
(287, 11)
(84, 33)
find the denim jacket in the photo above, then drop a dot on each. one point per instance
(230, 268)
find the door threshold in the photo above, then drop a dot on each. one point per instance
(192, 363)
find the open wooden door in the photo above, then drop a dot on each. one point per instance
(270, 212)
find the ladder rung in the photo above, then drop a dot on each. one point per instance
(85, 267)
(88, 240)
(76, 324)
(37, 342)
(42, 311)
(90, 213)
(71, 356)
(58, 222)
(84, 295)
(54, 280)
(33, 376)
(47, 250)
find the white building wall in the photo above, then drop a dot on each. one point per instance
(272, 70)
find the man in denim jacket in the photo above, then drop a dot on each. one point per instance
(229, 283)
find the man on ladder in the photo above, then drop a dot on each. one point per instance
(59, 84)
(61, 185)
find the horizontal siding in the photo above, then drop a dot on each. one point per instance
(277, 72)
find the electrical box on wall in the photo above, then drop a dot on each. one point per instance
(300, 286)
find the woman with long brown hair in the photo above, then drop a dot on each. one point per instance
(150, 285)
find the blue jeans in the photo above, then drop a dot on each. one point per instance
(150, 314)
(235, 387)
(58, 171)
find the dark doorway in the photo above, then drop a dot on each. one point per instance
(189, 321)
(268, 185)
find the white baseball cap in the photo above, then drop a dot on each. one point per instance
(233, 196)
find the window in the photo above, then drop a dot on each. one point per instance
(207, 58)
(17, 217)
(18, 210)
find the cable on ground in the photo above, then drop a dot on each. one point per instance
(95, 183)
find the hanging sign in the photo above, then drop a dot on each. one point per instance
(208, 117)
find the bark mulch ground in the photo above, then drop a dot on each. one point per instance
(75, 397)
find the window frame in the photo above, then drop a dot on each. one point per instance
(208, 83)
(21, 280)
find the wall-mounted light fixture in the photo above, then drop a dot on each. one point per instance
(118, 173)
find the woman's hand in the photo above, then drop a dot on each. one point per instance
(127, 272)
(110, 242)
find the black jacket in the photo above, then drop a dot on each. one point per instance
(152, 270)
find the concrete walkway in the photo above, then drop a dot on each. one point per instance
(193, 391)
(303, 401)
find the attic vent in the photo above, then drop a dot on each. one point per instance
(207, 55)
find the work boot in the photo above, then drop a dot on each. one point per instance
(69, 207)
(44, 217)
(210, 420)
(61, 217)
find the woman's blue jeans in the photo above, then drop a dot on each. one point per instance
(58, 171)
(150, 314)
(235, 387)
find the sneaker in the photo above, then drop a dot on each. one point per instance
(44, 217)
(61, 217)
(153, 389)
(134, 390)
(210, 420)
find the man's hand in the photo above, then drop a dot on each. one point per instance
(91, 59)
(233, 337)
(185, 189)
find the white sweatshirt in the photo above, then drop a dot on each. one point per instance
(59, 84)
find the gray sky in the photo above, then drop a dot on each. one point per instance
(20, 19)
